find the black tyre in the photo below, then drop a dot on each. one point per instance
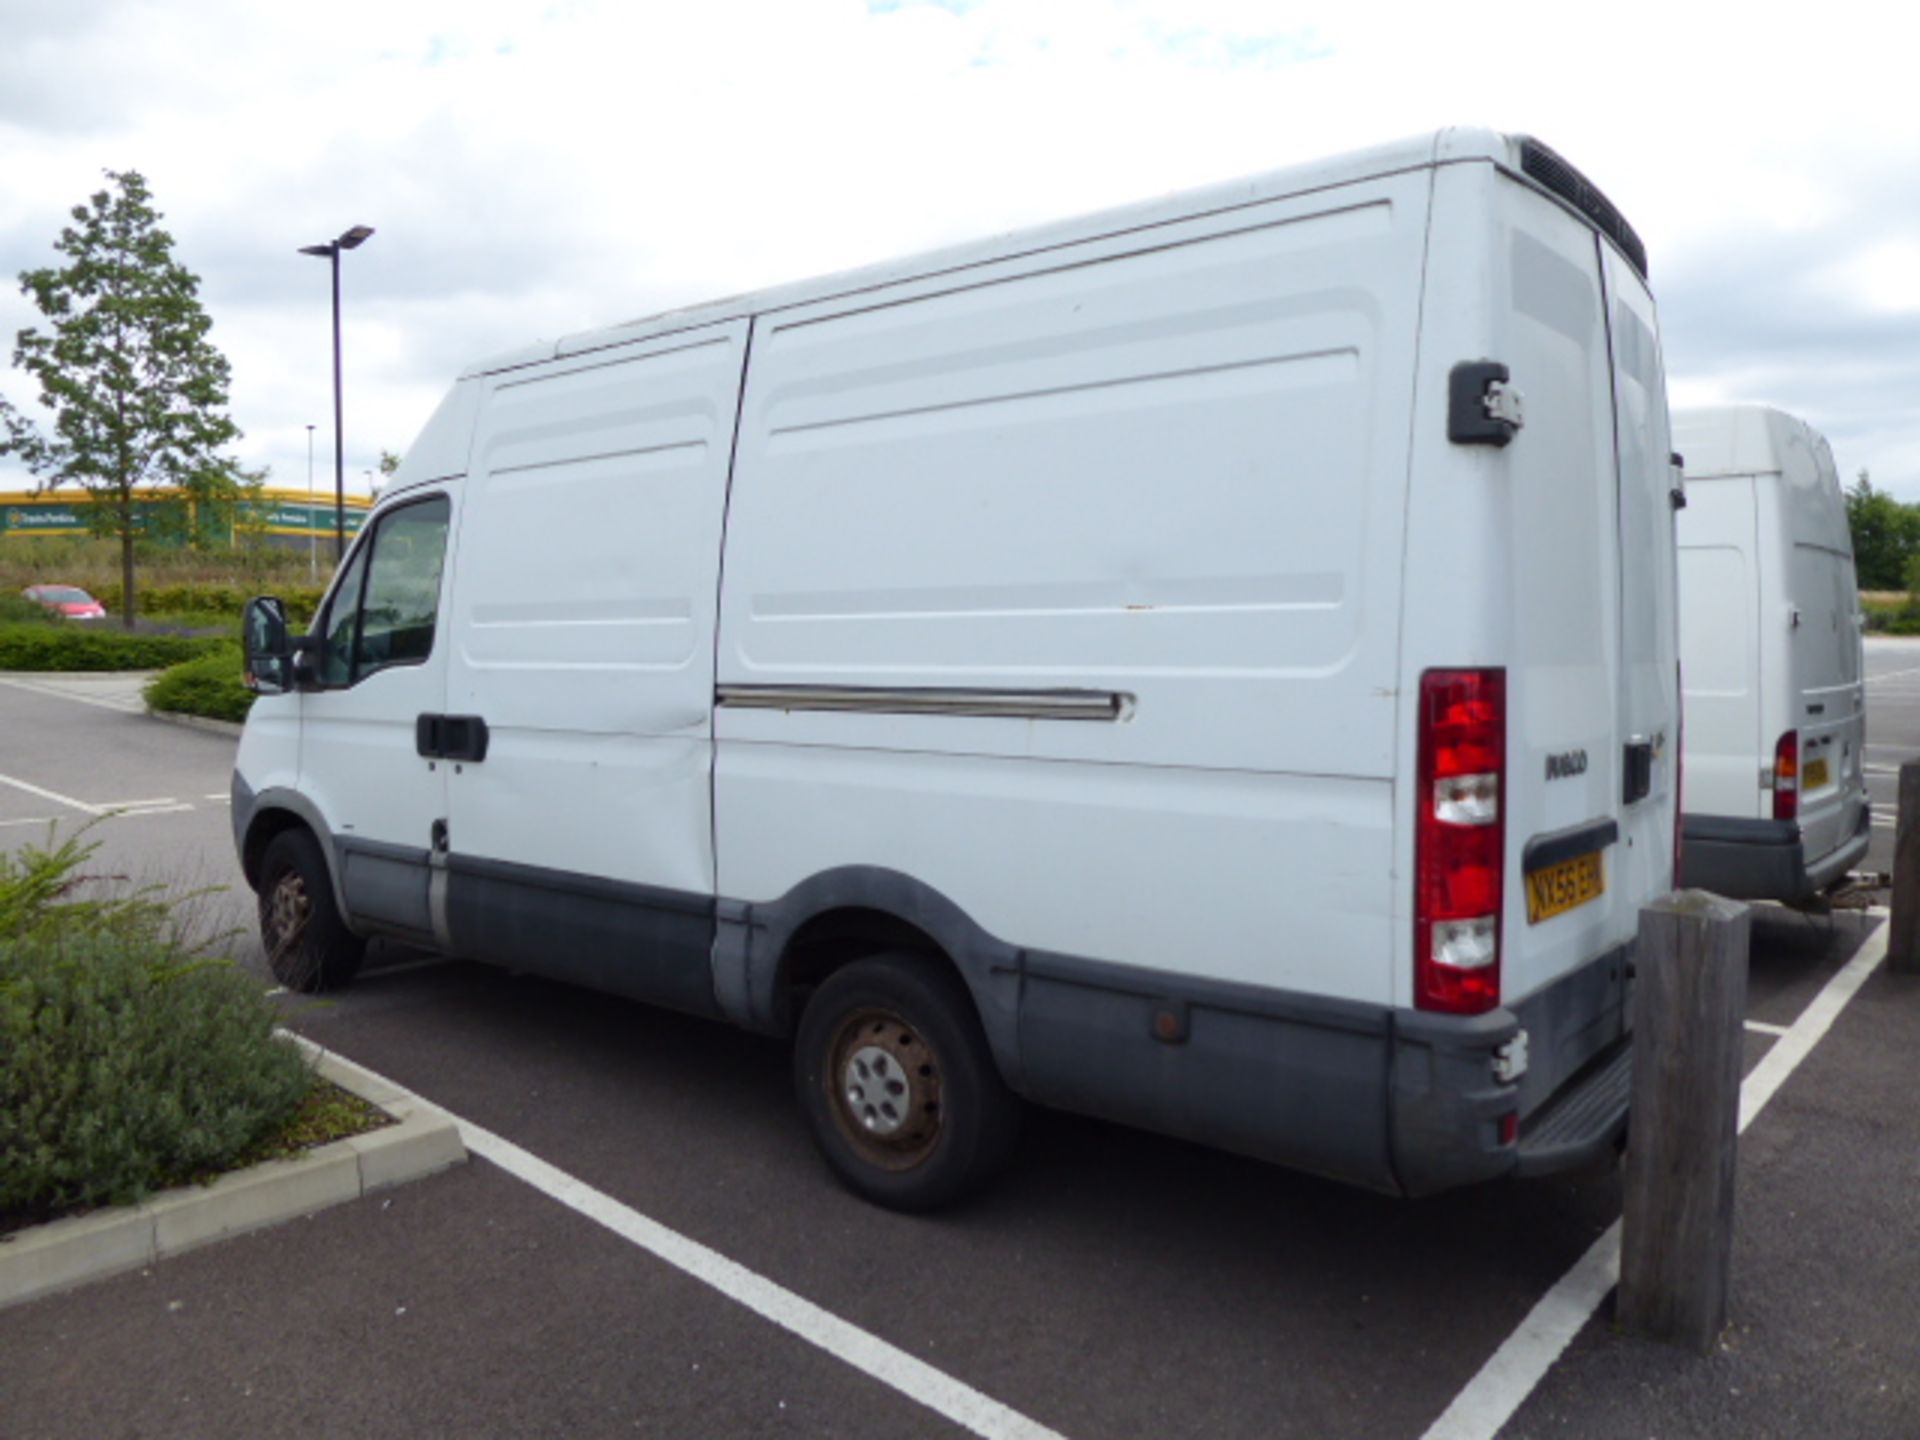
(898, 1085)
(309, 946)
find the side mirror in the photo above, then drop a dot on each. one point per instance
(263, 632)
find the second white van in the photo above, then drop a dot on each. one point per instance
(1776, 796)
(1210, 665)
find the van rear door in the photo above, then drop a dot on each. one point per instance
(1827, 694)
(1568, 721)
(1552, 558)
(1649, 637)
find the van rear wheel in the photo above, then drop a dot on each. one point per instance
(309, 947)
(899, 1086)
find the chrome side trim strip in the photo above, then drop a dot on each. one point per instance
(1009, 704)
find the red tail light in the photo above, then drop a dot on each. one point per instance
(1786, 777)
(1459, 841)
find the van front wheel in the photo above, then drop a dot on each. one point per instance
(309, 947)
(898, 1084)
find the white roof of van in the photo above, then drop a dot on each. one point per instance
(1720, 442)
(1441, 147)
(1742, 440)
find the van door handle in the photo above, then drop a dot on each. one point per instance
(463, 737)
(1636, 771)
(451, 737)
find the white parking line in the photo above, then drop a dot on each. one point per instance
(1761, 1027)
(1523, 1359)
(54, 795)
(843, 1340)
(1893, 674)
(125, 707)
(138, 810)
(35, 820)
(139, 804)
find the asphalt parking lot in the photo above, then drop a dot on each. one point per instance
(646, 1243)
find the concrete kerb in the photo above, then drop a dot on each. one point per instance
(66, 1253)
(197, 722)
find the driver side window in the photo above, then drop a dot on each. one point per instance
(336, 644)
(386, 606)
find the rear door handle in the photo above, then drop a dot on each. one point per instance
(1636, 771)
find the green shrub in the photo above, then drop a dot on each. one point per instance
(71, 646)
(18, 610)
(208, 686)
(130, 1060)
(193, 620)
(213, 599)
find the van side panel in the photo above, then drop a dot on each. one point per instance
(1165, 468)
(1720, 648)
(583, 637)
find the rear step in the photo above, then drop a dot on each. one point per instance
(1583, 1122)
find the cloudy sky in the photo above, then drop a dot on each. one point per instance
(537, 168)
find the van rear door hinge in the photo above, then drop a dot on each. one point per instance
(1483, 408)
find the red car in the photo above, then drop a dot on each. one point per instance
(68, 601)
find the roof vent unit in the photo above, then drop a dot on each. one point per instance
(1541, 163)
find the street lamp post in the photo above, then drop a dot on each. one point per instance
(331, 249)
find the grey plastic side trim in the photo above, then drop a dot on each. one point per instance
(1012, 704)
(646, 942)
(385, 885)
(751, 940)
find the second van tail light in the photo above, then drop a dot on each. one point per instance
(1786, 777)
(1459, 840)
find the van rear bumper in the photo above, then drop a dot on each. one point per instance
(1447, 1103)
(1760, 859)
(1395, 1099)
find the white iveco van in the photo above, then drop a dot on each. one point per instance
(1210, 665)
(1771, 658)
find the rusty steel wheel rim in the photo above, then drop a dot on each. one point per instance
(289, 908)
(883, 1085)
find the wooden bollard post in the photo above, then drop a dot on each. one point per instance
(1689, 1013)
(1903, 939)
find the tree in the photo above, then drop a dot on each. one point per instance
(138, 392)
(1886, 534)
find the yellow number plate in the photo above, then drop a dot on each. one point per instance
(1563, 887)
(1816, 776)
